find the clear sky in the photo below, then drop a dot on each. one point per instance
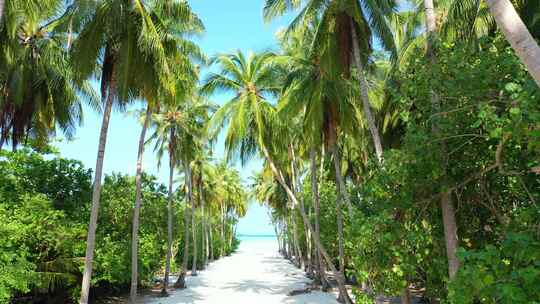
(230, 25)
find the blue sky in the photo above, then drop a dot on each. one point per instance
(230, 25)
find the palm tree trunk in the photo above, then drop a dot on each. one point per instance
(70, 33)
(136, 211)
(308, 267)
(278, 236)
(299, 257)
(297, 187)
(286, 229)
(342, 188)
(222, 219)
(2, 6)
(342, 195)
(194, 234)
(373, 129)
(181, 281)
(447, 206)
(279, 176)
(516, 33)
(211, 241)
(340, 237)
(169, 222)
(405, 296)
(231, 236)
(205, 235)
(96, 194)
(450, 232)
(321, 270)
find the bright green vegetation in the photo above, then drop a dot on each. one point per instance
(400, 147)
(44, 210)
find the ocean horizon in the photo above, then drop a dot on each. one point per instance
(256, 237)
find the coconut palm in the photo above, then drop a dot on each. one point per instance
(251, 119)
(205, 173)
(40, 94)
(180, 52)
(177, 130)
(115, 34)
(167, 126)
(227, 200)
(321, 99)
(350, 25)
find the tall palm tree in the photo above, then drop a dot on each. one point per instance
(351, 25)
(321, 99)
(40, 94)
(166, 141)
(204, 173)
(115, 34)
(178, 129)
(170, 17)
(251, 119)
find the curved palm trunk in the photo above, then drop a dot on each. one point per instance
(321, 269)
(373, 129)
(96, 195)
(342, 188)
(447, 206)
(181, 281)
(279, 176)
(343, 195)
(516, 33)
(169, 222)
(136, 211)
(299, 259)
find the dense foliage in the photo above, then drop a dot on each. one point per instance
(44, 209)
(401, 147)
(459, 126)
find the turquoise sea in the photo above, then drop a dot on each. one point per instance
(250, 237)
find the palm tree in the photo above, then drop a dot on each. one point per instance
(123, 32)
(321, 99)
(179, 52)
(40, 94)
(251, 117)
(350, 25)
(177, 129)
(166, 138)
(204, 172)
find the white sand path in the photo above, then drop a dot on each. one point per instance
(254, 274)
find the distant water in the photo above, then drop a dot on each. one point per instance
(257, 237)
(258, 243)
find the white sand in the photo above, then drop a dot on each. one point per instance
(255, 274)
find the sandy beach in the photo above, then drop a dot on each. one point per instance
(256, 273)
